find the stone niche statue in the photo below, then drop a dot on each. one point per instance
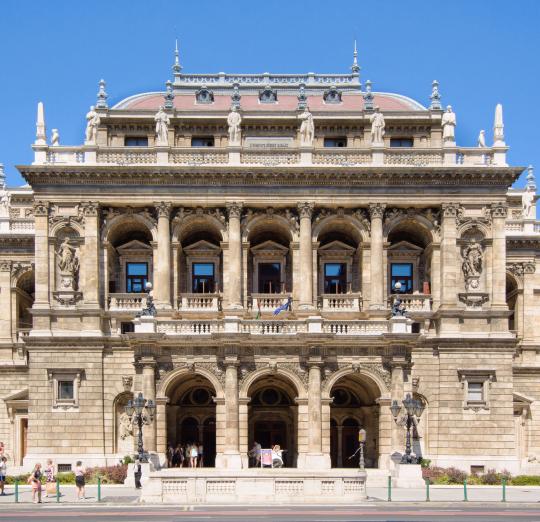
(307, 128)
(448, 123)
(234, 120)
(377, 127)
(472, 255)
(92, 123)
(68, 264)
(124, 433)
(162, 127)
(527, 202)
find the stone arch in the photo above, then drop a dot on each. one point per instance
(66, 223)
(23, 291)
(514, 301)
(469, 226)
(411, 221)
(20, 272)
(360, 232)
(121, 220)
(252, 377)
(191, 223)
(376, 379)
(171, 379)
(270, 220)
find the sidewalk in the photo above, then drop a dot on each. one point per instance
(121, 495)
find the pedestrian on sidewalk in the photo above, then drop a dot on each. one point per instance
(138, 473)
(35, 480)
(194, 454)
(201, 455)
(3, 474)
(79, 480)
(50, 486)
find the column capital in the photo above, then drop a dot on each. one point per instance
(5, 266)
(305, 209)
(90, 208)
(499, 209)
(41, 208)
(147, 362)
(451, 210)
(376, 210)
(234, 209)
(163, 208)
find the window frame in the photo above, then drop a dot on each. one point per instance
(402, 278)
(278, 278)
(397, 143)
(327, 142)
(137, 138)
(484, 377)
(60, 375)
(194, 277)
(343, 278)
(130, 278)
(202, 138)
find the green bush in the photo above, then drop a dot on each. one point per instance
(127, 460)
(66, 477)
(425, 463)
(525, 480)
(21, 478)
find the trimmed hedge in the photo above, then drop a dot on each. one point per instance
(454, 476)
(109, 475)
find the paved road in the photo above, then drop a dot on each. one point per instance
(393, 513)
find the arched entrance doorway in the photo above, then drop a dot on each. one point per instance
(191, 416)
(353, 407)
(273, 416)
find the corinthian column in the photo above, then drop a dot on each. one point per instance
(232, 426)
(91, 254)
(376, 212)
(162, 274)
(305, 277)
(498, 215)
(448, 283)
(42, 268)
(235, 256)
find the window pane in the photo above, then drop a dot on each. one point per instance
(140, 269)
(475, 391)
(401, 142)
(335, 142)
(402, 269)
(334, 269)
(402, 273)
(270, 269)
(135, 141)
(204, 141)
(203, 269)
(65, 390)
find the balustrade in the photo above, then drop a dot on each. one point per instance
(190, 327)
(414, 302)
(268, 302)
(199, 302)
(355, 327)
(127, 302)
(341, 302)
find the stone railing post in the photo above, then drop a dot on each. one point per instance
(162, 290)
(305, 276)
(234, 281)
(377, 265)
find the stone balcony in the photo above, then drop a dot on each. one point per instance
(342, 156)
(268, 302)
(199, 302)
(414, 302)
(341, 302)
(127, 302)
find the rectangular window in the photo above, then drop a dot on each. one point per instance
(402, 273)
(136, 141)
(203, 281)
(65, 391)
(202, 141)
(401, 142)
(335, 278)
(270, 278)
(335, 142)
(127, 327)
(475, 392)
(136, 277)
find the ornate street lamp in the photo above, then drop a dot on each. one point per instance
(413, 409)
(362, 440)
(141, 412)
(150, 309)
(398, 308)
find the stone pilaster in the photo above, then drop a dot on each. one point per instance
(448, 281)
(42, 303)
(148, 365)
(5, 301)
(234, 282)
(231, 453)
(91, 254)
(161, 427)
(498, 274)
(305, 282)
(162, 276)
(377, 262)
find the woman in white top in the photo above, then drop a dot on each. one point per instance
(3, 473)
(79, 480)
(193, 454)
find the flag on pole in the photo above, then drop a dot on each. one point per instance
(284, 306)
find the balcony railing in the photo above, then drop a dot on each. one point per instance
(414, 302)
(127, 302)
(126, 156)
(270, 327)
(341, 156)
(198, 156)
(355, 327)
(412, 156)
(187, 327)
(199, 302)
(341, 302)
(268, 302)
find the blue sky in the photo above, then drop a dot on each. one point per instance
(482, 52)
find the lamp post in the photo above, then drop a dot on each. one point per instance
(141, 411)
(398, 309)
(413, 408)
(150, 309)
(362, 441)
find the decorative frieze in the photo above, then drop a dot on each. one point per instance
(520, 269)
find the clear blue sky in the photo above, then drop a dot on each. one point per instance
(481, 51)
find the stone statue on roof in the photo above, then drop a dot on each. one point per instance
(482, 139)
(307, 128)
(55, 138)
(527, 201)
(448, 123)
(377, 127)
(92, 123)
(162, 127)
(234, 121)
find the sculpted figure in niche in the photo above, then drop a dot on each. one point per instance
(448, 123)
(527, 200)
(69, 263)
(307, 128)
(233, 121)
(92, 123)
(162, 127)
(377, 127)
(472, 263)
(125, 428)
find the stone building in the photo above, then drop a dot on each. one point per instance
(278, 217)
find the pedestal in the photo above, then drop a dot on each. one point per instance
(400, 325)
(408, 476)
(145, 324)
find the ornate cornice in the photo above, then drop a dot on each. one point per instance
(519, 269)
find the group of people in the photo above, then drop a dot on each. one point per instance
(35, 480)
(189, 455)
(255, 454)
